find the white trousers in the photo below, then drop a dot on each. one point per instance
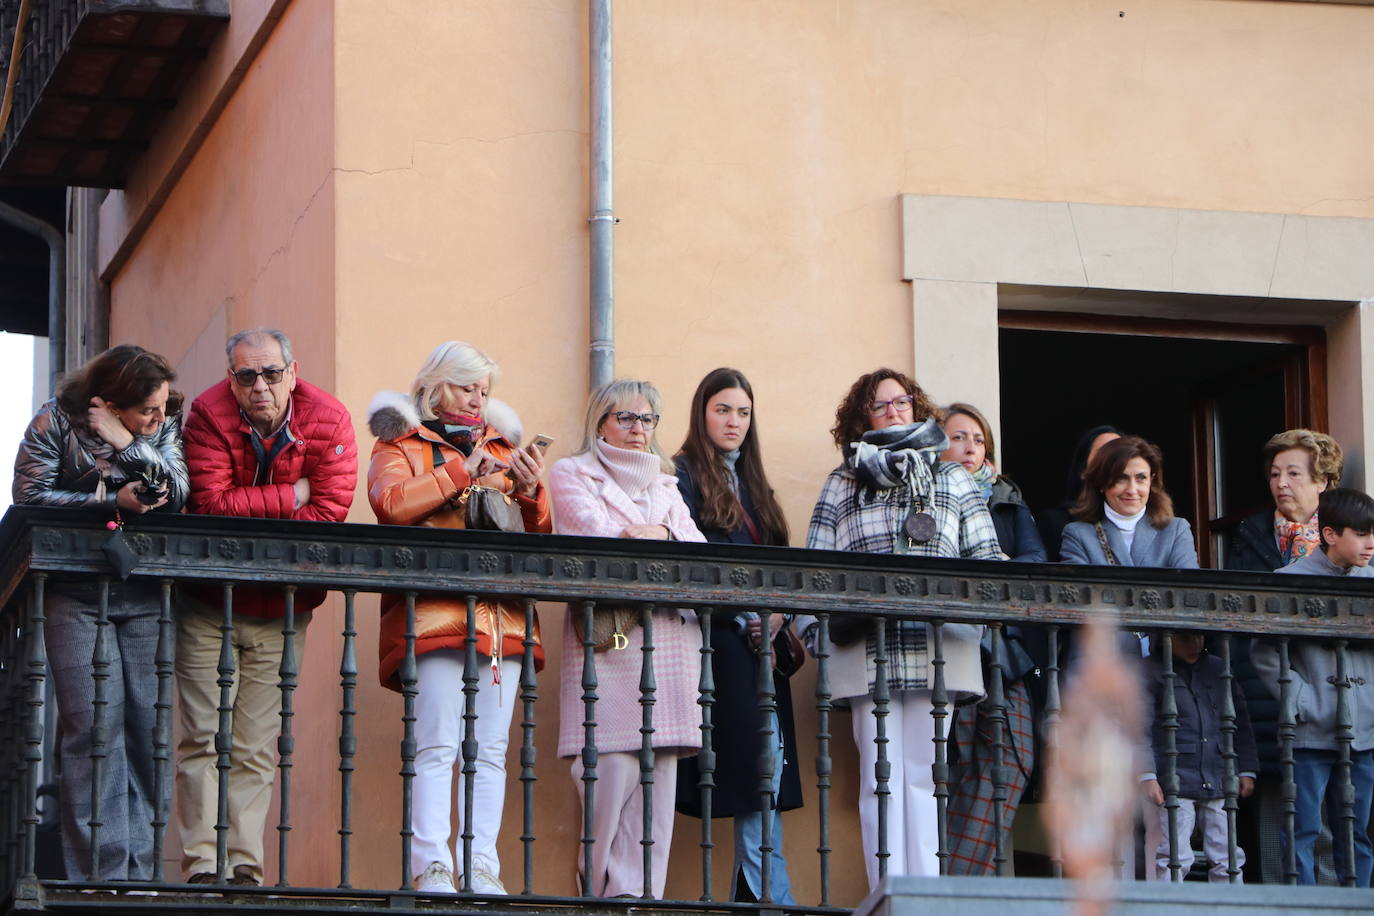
(618, 824)
(911, 815)
(439, 737)
(1213, 814)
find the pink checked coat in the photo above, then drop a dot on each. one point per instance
(587, 501)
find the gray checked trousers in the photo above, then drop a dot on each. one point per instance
(126, 773)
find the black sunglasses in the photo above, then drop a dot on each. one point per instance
(249, 377)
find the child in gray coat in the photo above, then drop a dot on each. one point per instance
(1345, 519)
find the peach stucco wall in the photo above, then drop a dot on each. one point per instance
(390, 177)
(246, 237)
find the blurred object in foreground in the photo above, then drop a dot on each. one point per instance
(1092, 767)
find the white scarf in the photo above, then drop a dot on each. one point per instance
(1124, 523)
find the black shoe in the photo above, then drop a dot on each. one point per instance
(203, 877)
(743, 892)
(243, 877)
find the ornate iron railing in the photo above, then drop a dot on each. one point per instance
(40, 547)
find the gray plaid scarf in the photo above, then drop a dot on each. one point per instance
(885, 458)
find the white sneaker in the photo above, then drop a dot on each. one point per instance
(436, 879)
(484, 879)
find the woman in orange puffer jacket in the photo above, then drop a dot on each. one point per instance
(445, 436)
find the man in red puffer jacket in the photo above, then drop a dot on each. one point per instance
(259, 444)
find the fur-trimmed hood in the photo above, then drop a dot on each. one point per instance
(392, 415)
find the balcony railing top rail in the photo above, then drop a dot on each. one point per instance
(40, 547)
(371, 558)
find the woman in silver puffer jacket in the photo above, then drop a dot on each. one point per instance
(110, 439)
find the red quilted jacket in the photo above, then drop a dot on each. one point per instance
(224, 468)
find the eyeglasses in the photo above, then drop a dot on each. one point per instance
(247, 378)
(626, 419)
(878, 408)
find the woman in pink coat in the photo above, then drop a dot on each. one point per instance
(619, 485)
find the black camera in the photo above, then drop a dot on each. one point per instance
(154, 486)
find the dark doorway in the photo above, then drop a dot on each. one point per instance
(1210, 403)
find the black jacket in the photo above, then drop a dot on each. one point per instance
(1016, 531)
(1198, 694)
(735, 715)
(1254, 547)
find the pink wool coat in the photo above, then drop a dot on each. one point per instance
(587, 501)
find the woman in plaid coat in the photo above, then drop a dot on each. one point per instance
(892, 494)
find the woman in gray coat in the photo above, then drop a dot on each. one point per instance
(1126, 518)
(111, 440)
(1123, 486)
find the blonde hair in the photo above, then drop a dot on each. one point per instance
(973, 413)
(451, 363)
(1324, 453)
(603, 402)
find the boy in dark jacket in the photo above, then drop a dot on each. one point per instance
(1199, 694)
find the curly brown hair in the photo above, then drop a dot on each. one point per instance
(852, 417)
(1325, 458)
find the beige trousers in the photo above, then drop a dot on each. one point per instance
(618, 824)
(257, 648)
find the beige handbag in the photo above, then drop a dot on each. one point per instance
(611, 626)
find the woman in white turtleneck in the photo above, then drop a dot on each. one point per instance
(619, 485)
(1124, 515)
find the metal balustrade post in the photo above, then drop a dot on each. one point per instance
(706, 760)
(410, 689)
(769, 736)
(529, 695)
(1231, 776)
(588, 740)
(468, 747)
(939, 711)
(1288, 724)
(882, 768)
(1053, 708)
(348, 739)
(286, 742)
(100, 726)
(164, 663)
(37, 676)
(11, 765)
(648, 688)
(824, 765)
(997, 719)
(11, 743)
(224, 731)
(1343, 833)
(1168, 779)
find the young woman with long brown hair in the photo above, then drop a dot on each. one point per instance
(721, 478)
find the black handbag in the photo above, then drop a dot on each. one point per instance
(120, 555)
(846, 629)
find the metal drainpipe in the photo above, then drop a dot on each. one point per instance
(602, 319)
(57, 276)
